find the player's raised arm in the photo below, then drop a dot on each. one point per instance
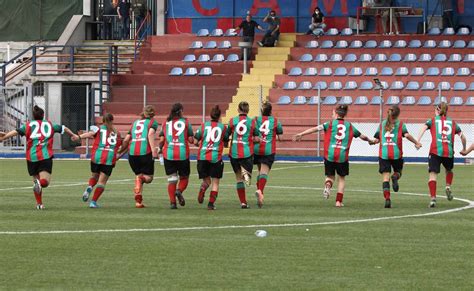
(298, 136)
(413, 140)
(422, 131)
(5, 136)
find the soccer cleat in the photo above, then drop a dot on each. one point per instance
(93, 204)
(259, 196)
(138, 186)
(202, 193)
(326, 192)
(449, 194)
(339, 204)
(37, 186)
(395, 183)
(139, 205)
(247, 179)
(87, 192)
(173, 206)
(180, 197)
(39, 206)
(388, 203)
(433, 203)
(244, 206)
(211, 206)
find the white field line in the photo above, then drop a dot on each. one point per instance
(254, 226)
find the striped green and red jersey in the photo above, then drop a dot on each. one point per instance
(105, 147)
(443, 129)
(269, 127)
(338, 135)
(242, 129)
(176, 133)
(391, 142)
(140, 145)
(211, 136)
(39, 139)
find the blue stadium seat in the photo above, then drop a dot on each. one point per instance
(204, 58)
(470, 44)
(350, 85)
(424, 100)
(400, 44)
(217, 32)
(459, 44)
(176, 71)
(296, 71)
(332, 31)
(341, 71)
(444, 44)
(371, 71)
(386, 71)
(330, 100)
(463, 31)
(412, 86)
(196, 45)
(447, 71)
(414, 43)
(469, 58)
(314, 100)
(366, 85)
(335, 85)
(455, 58)
(191, 72)
(438, 100)
(325, 71)
(408, 100)
(380, 58)
(336, 58)
(417, 71)
(459, 86)
(395, 58)
(341, 44)
(312, 44)
(211, 45)
(440, 58)
(346, 32)
(401, 71)
(349, 58)
(471, 87)
(321, 58)
(356, 44)
(305, 85)
(384, 85)
(225, 44)
(306, 58)
(218, 58)
(230, 32)
(299, 100)
(365, 58)
(326, 44)
(189, 58)
(456, 101)
(429, 44)
(470, 101)
(434, 31)
(464, 71)
(233, 58)
(397, 85)
(206, 71)
(376, 100)
(321, 85)
(290, 85)
(444, 86)
(310, 71)
(448, 31)
(433, 71)
(428, 85)
(425, 58)
(410, 58)
(356, 71)
(385, 44)
(284, 100)
(370, 44)
(393, 100)
(361, 100)
(347, 100)
(203, 32)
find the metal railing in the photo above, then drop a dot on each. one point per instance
(141, 33)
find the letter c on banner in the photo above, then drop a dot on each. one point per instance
(204, 11)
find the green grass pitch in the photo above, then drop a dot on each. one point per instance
(359, 252)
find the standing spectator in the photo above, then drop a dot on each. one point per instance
(273, 31)
(317, 25)
(108, 19)
(123, 11)
(139, 11)
(448, 16)
(248, 31)
(386, 15)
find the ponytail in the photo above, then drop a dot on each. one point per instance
(442, 108)
(176, 111)
(148, 112)
(215, 113)
(341, 110)
(392, 115)
(108, 120)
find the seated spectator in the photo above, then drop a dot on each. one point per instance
(273, 31)
(317, 25)
(385, 13)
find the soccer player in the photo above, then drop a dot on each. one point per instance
(107, 142)
(264, 152)
(142, 151)
(338, 135)
(442, 129)
(210, 137)
(39, 134)
(468, 150)
(390, 135)
(175, 136)
(243, 132)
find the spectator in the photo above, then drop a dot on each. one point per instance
(448, 16)
(273, 31)
(139, 11)
(110, 12)
(386, 15)
(248, 31)
(123, 11)
(317, 25)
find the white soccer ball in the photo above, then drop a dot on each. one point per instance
(261, 233)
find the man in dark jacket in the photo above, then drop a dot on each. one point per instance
(248, 30)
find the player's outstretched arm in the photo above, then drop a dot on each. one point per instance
(124, 146)
(151, 140)
(374, 141)
(70, 133)
(422, 131)
(463, 141)
(413, 140)
(297, 137)
(468, 150)
(366, 138)
(5, 136)
(89, 134)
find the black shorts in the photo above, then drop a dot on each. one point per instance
(182, 168)
(266, 160)
(98, 168)
(246, 163)
(385, 166)
(34, 168)
(208, 169)
(435, 161)
(331, 168)
(142, 164)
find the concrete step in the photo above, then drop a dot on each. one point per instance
(288, 36)
(273, 50)
(269, 64)
(285, 44)
(267, 71)
(255, 84)
(257, 77)
(272, 57)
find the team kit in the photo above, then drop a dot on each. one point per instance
(251, 141)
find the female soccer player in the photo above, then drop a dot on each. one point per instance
(390, 135)
(39, 134)
(175, 136)
(443, 129)
(243, 132)
(142, 151)
(107, 142)
(210, 137)
(338, 135)
(264, 152)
